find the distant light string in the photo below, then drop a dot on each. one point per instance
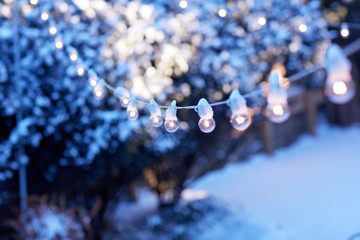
(339, 86)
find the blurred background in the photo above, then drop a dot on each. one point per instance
(72, 166)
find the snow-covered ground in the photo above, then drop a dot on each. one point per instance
(308, 191)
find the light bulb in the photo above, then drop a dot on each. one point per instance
(44, 16)
(59, 44)
(207, 125)
(183, 4)
(344, 30)
(278, 113)
(222, 13)
(240, 121)
(339, 86)
(93, 81)
(171, 125)
(99, 92)
(262, 21)
(123, 95)
(73, 56)
(34, 2)
(277, 109)
(52, 30)
(171, 122)
(206, 122)
(124, 101)
(156, 120)
(303, 28)
(132, 112)
(80, 70)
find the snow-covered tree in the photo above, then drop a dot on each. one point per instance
(154, 48)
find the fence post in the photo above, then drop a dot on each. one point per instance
(267, 133)
(311, 111)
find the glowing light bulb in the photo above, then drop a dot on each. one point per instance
(222, 12)
(124, 101)
(240, 119)
(183, 4)
(171, 122)
(171, 125)
(44, 16)
(339, 86)
(262, 21)
(206, 123)
(303, 28)
(59, 44)
(123, 95)
(93, 81)
(344, 30)
(80, 70)
(52, 30)
(278, 113)
(34, 2)
(99, 92)
(155, 119)
(132, 112)
(73, 56)
(277, 109)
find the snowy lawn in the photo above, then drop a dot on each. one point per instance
(308, 191)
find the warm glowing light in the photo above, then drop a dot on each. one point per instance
(52, 30)
(171, 125)
(222, 12)
(262, 21)
(155, 120)
(59, 44)
(339, 88)
(93, 81)
(183, 4)
(99, 92)
(240, 121)
(278, 110)
(73, 56)
(34, 2)
(44, 16)
(345, 33)
(207, 125)
(133, 114)
(125, 101)
(80, 70)
(278, 113)
(302, 28)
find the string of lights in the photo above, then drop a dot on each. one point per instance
(339, 85)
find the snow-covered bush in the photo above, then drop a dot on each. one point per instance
(156, 49)
(48, 222)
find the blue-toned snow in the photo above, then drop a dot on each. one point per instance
(308, 191)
